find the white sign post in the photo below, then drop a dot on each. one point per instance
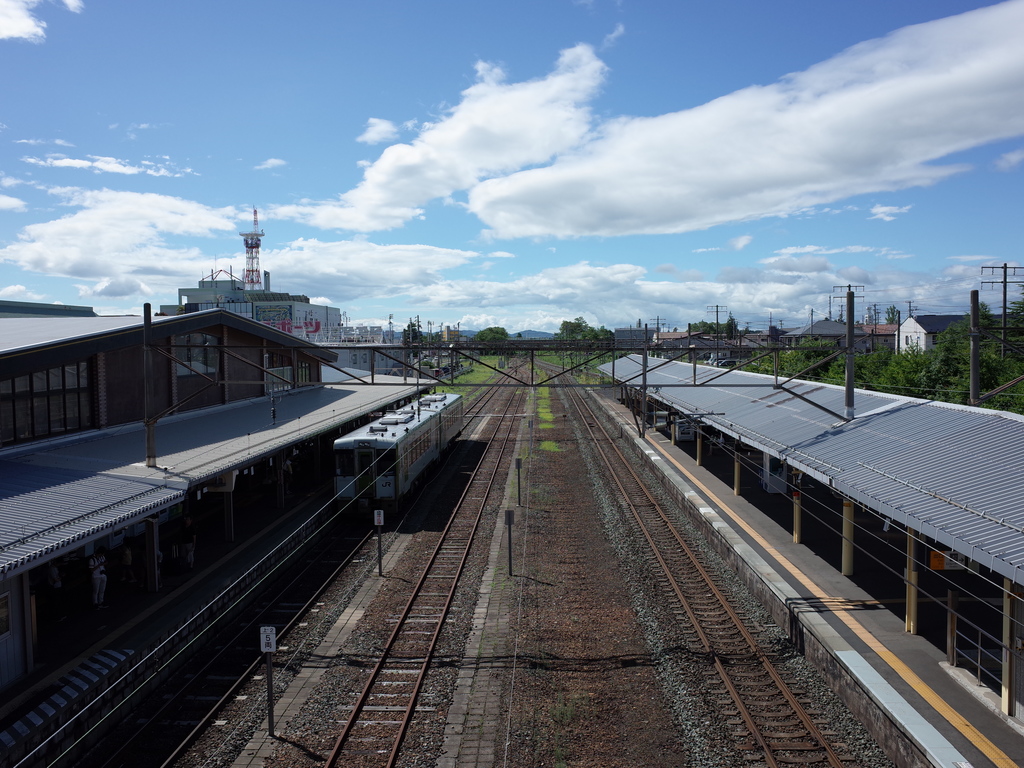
(268, 643)
(378, 520)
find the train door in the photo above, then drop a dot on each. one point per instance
(386, 473)
(366, 471)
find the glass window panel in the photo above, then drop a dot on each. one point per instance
(6, 386)
(83, 374)
(85, 411)
(71, 412)
(41, 424)
(57, 412)
(7, 421)
(22, 419)
(39, 381)
(21, 384)
(71, 376)
(56, 378)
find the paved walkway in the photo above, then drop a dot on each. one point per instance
(476, 733)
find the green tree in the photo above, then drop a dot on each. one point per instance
(573, 329)
(494, 333)
(412, 334)
(892, 315)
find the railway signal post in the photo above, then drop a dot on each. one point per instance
(510, 516)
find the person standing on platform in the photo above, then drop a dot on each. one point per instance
(188, 540)
(98, 573)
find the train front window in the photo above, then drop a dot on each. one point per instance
(346, 462)
(387, 462)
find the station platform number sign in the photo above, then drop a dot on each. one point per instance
(268, 639)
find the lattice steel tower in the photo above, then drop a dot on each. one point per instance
(253, 277)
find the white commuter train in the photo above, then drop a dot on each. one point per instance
(383, 460)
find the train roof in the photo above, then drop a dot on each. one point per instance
(389, 428)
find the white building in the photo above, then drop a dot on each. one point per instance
(290, 313)
(922, 331)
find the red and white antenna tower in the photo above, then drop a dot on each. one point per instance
(253, 277)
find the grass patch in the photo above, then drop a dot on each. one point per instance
(549, 445)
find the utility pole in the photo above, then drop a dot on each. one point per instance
(717, 308)
(1007, 273)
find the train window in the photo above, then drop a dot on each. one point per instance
(346, 463)
(387, 462)
(364, 462)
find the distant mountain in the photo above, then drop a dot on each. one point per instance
(531, 335)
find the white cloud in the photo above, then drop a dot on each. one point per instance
(100, 164)
(741, 242)
(378, 131)
(120, 241)
(39, 142)
(8, 203)
(1010, 160)
(969, 258)
(358, 269)
(806, 264)
(497, 128)
(887, 212)
(873, 118)
(269, 163)
(612, 37)
(19, 293)
(18, 22)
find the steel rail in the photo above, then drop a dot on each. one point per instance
(458, 520)
(172, 701)
(724, 605)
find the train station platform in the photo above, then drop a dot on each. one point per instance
(925, 712)
(83, 651)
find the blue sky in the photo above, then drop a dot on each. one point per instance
(514, 164)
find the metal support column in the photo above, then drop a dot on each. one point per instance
(700, 447)
(847, 537)
(736, 471)
(797, 516)
(849, 410)
(911, 580)
(1008, 703)
(643, 392)
(975, 354)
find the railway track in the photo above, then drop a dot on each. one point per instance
(224, 655)
(773, 726)
(380, 717)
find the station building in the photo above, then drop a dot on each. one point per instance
(291, 313)
(112, 428)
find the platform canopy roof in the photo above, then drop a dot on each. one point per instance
(954, 473)
(59, 494)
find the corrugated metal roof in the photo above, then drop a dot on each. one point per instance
(953, 472)
(61, 493)
(43, 509)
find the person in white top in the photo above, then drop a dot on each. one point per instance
(98, 572)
